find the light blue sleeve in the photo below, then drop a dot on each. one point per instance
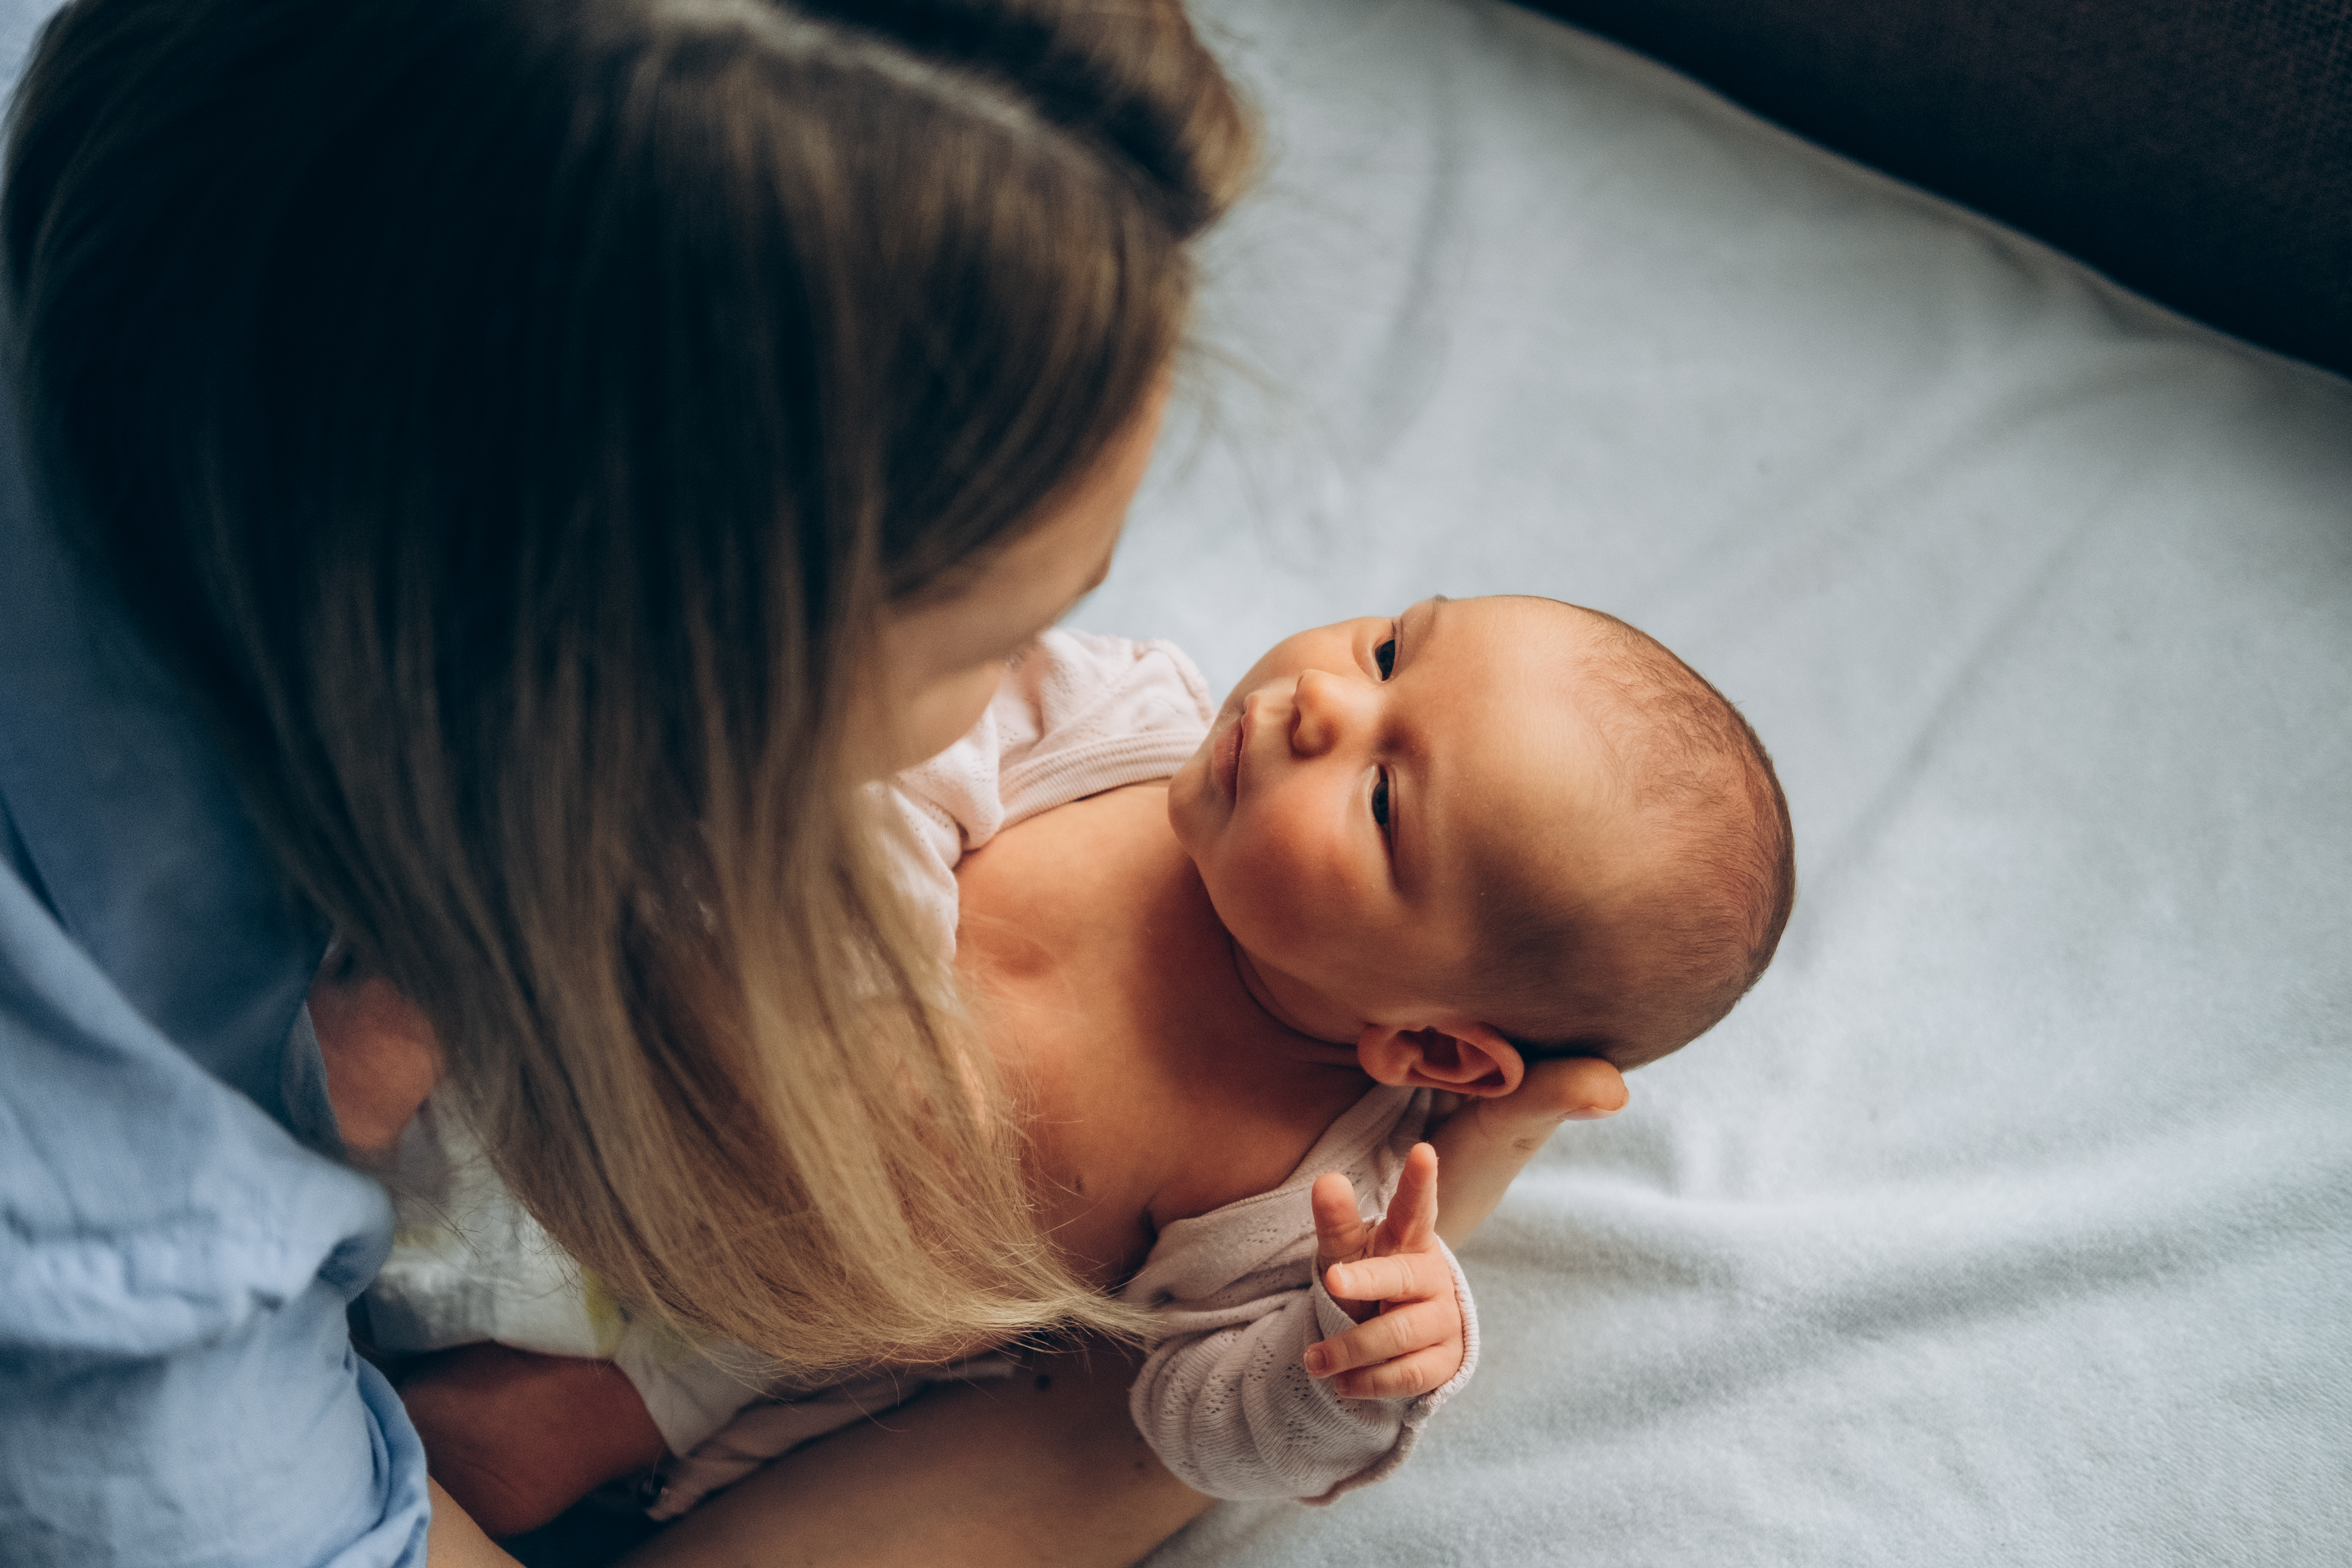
(177, 1386)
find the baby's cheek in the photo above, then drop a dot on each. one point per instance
(1244, 883)
(1295, 892)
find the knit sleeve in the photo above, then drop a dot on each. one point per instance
(1225, 1402)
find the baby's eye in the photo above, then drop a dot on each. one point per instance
(1381, 800)
(1385, 657)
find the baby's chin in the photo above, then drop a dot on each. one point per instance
(1187, 786)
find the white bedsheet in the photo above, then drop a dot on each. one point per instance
(2010, 1219)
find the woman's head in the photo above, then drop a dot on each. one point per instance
(941, 652)
(686, 322)
(536, 429)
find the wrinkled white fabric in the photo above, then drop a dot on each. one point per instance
(1075, 715)
(469, 1263)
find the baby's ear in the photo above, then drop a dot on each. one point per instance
(1456, 1055)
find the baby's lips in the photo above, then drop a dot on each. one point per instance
(1225, 755)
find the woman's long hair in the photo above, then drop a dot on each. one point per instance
(513, 420)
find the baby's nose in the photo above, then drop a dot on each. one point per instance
(1319, 709)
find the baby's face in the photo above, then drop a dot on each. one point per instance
(1360, 773)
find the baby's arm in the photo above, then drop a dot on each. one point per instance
(1488, 1142)
(1226, 1400)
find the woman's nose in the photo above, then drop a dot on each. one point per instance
(1323, 709)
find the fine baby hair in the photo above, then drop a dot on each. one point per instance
(1634, 972)
(512, 421)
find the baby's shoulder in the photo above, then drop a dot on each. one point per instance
(1128, 1148)
(1060, 888)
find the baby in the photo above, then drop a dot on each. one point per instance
(1406, 858)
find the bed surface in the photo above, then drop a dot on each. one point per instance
(2009, 1220)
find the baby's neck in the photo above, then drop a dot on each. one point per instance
(1157, 1085)
(1211, 986)
(1101, 892)
(1295, 1005)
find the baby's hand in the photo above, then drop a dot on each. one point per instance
(1393, 1282)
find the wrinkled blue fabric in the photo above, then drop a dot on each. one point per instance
(177, 1382)
(177, 1244)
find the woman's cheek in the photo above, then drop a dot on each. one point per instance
(942, 713)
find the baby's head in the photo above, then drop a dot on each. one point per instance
(1486, 830)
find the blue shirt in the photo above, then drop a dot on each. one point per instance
(177, 1241)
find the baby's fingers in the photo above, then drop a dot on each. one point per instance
(1339, 1230)
(1403, 1378)
(1405, 1332)
(1398, 1277)
(1412, 1219)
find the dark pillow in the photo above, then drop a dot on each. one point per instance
(2197, 151)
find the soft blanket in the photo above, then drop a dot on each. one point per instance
(2010, 1219)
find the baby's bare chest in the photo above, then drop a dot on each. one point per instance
(1105, 986)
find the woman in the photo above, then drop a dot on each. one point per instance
(560, 452)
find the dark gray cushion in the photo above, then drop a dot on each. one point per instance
(2199, 151)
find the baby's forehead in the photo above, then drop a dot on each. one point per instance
(1528, 678)
(1537, 643)
(1527, 772)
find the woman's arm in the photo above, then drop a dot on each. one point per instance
(1043, 1471)
(515, 1438)
(455, 1540)
(1485, 1143)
